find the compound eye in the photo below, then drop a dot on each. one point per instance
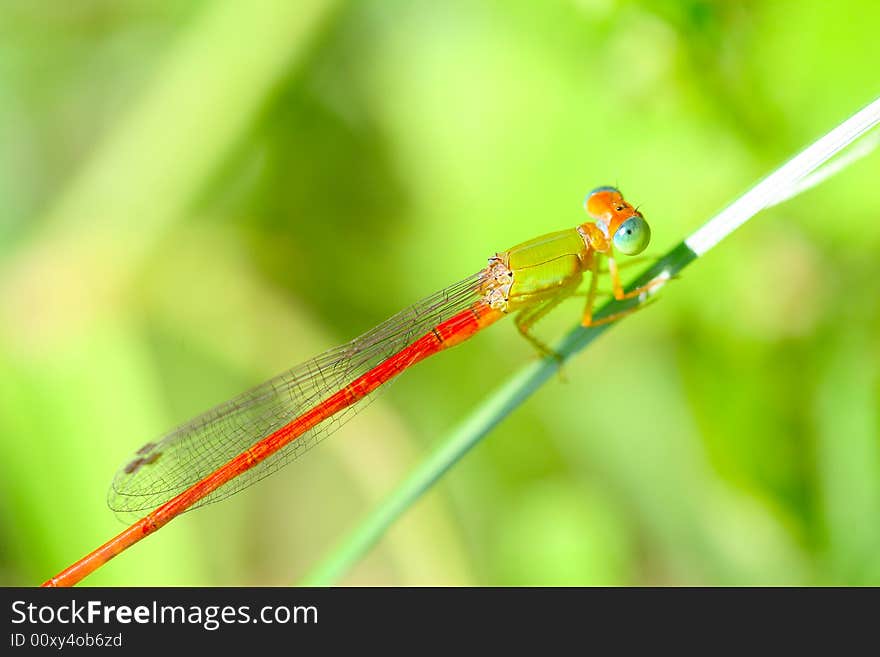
(601, 201)
(633, 236)
(599, 190)
(606, 188)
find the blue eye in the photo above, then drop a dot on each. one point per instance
(606, 188)
(633, 236)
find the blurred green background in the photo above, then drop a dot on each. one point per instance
(195, 196)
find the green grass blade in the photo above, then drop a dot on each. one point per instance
(792, 178)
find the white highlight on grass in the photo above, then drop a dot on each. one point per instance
(805, 170)
(859, 150)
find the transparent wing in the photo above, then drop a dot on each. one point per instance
(162, 469)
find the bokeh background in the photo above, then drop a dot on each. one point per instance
(195, 196)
